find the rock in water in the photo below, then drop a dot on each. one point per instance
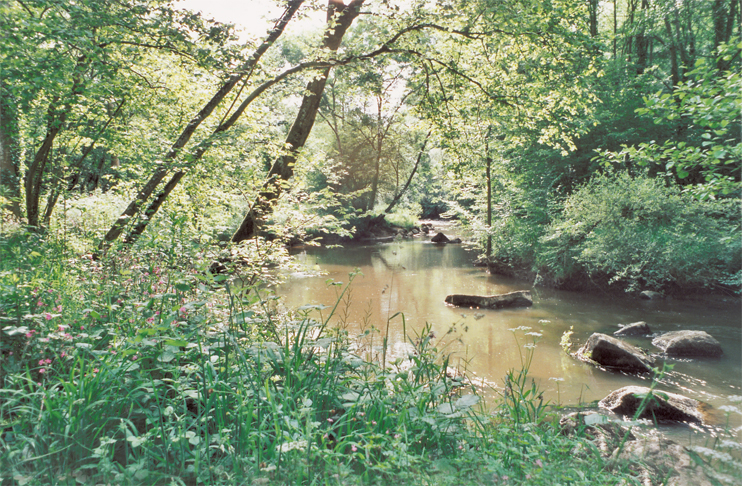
(651, 295)
(689, 344)
(520, 298)
(662, 406)
(611, 352)
(635, 329)
(439, 238)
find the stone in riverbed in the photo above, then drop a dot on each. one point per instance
(635, 329)
(662, 406)
(611, 352)
(439, 238)
(520, 298)
(689, 344)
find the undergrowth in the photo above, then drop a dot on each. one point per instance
(143, 367)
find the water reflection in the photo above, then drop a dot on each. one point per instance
(414, 277)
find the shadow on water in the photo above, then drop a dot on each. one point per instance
(414, 277)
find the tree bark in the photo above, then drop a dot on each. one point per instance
(339, 19)
(157, 177)
(9, 155)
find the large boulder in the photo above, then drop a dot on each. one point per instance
(439, 238)
(635, 329)
(520, 298)
(661, 406)
(689, 344)
(611, 352)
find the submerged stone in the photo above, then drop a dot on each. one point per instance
(635, 329)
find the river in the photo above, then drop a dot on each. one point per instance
(414, 276)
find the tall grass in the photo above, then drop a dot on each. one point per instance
(145, 368)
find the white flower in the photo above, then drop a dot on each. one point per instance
(553, 378)
(729, 408)
(535, 334)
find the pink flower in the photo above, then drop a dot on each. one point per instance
(82, 328)
(48, 361)
(42, 370)
(353, 448)
(330, 420)
(40, 304)
(63, 354)
(95, 370)
(30, 333)
(41, 362)
(539, 463)
(151, 320)
(59, 308)
(373, 422)
(48, 316)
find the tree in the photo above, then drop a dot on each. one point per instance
(63, 62)
(339, 19)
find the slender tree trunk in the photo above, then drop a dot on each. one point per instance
(489, 203)
(724, 22)
(642, 42)
(412, 174)
(9, 155)
(157, 177)
(339, 19)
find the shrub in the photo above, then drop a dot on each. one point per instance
(636, 233)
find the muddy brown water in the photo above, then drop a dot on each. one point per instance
(414, 277)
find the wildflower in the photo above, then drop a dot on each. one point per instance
(397, 436)
(48, 316)
(82, 328)
(41, 362)
(48, 361)
(95, 370)
(40, 304)
(330, 420)
(183, 309)
(59, 308)
(42, 370)
(30, 333)
(151, 319)
(63, 354)
(353, 448)
(534, 334)
(539, 463)
(373, 422)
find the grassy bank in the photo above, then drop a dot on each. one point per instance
(142, 367)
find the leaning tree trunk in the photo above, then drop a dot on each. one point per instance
(339, 19)
(243, 73)
(412, 174)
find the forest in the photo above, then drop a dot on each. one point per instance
(157, 166)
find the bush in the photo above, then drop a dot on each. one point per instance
(637, 233)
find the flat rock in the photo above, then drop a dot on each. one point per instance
(440, 238)
(662, 406)
(689, 344)
(614, 353)
(520, 298)
(635, 329)
(651, 295)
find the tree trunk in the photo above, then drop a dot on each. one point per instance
(412, 174)
(642, 42)
(244, 72)
(9, 155)
(724, 22)
(339, 19)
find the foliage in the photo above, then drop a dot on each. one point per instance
(706, 151)
(639, 233)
